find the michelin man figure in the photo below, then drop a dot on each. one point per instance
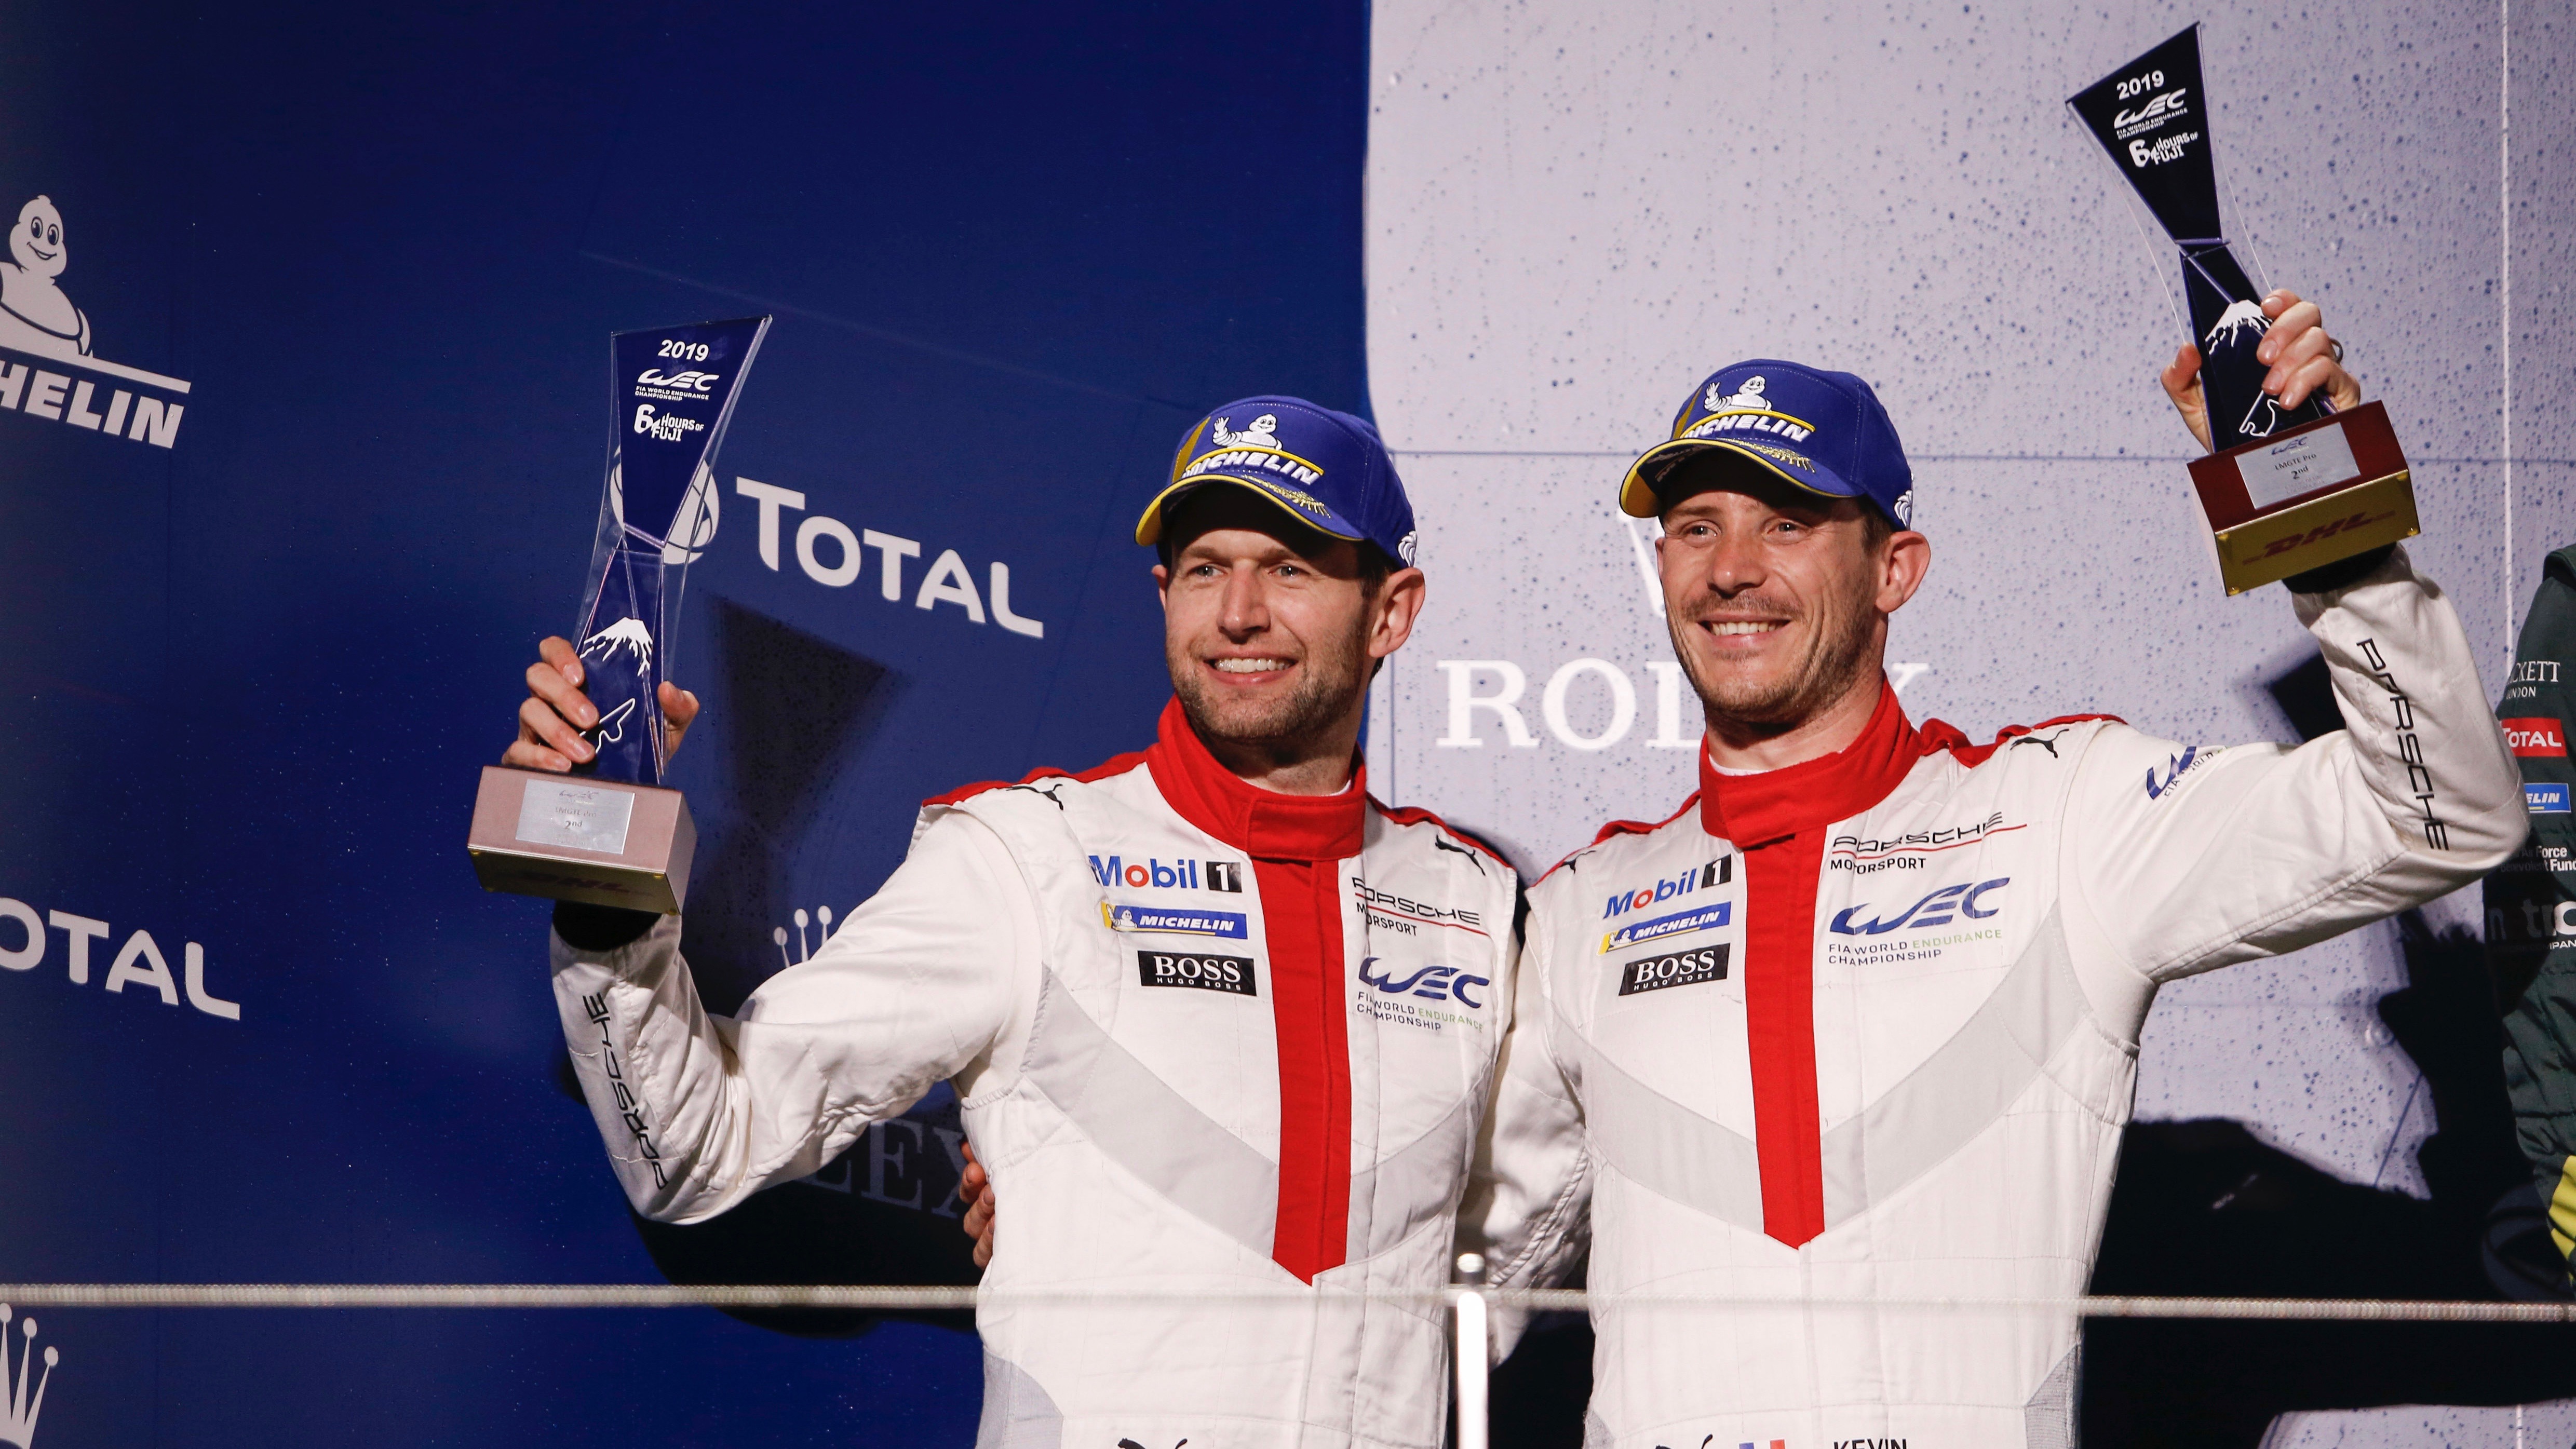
(1259, 434)
(34, 314)
(1748, 396)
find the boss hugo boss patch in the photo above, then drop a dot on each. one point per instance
(1231, 974)
(1678, 968)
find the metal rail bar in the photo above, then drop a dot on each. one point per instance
(918, 1299)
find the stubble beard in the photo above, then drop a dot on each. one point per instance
(1286, 726)
(1837, 657)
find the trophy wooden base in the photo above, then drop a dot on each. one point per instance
(2305, 497)
(570, 838)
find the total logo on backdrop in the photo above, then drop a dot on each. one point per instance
(832, 554)
(40, 323)
(138, 962)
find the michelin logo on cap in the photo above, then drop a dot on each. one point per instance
(1745, 410)
(1263, 432)
(1748, 394)
(1327, 469)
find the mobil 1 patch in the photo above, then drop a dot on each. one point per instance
(1230, 974)
(1675, 968)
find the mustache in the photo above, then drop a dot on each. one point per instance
(1743, 607)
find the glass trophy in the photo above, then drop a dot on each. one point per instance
(610, 833)
(2284, 490)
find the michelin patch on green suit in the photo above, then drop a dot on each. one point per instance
(2531, 900)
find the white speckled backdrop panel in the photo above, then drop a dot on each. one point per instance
(1577, 210)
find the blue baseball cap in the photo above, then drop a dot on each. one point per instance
(1823, 431)
(1325, 469)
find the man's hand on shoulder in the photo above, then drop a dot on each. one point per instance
(2302, 356)
(553, 716)
(975, 1189)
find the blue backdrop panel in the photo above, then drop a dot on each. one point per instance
(254, 646)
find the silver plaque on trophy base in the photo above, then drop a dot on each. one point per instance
(581, 838)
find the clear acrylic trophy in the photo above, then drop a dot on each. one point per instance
(610, 833)
(2286, 489)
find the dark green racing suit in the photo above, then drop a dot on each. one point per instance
(2531, 900)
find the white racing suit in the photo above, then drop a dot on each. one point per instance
(1866, 1028)
(1210, 1041)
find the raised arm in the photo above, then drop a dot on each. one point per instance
(917, 986)
(699, 1111)
(2181, 858)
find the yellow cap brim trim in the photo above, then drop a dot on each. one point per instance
(1149, 526)
(1637, 496)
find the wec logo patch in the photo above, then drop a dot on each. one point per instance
(1431, 983)
(1937, 909)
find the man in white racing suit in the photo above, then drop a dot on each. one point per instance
(1232, 1022)
(1859, 1023)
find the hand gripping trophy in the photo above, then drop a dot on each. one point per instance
(610, 834)
(2284, 490)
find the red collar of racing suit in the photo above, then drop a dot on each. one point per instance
(1756, 809)
(1263, 824)
(1777, 821)
(1297, 844)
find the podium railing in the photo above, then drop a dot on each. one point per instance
(1470, 1308)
